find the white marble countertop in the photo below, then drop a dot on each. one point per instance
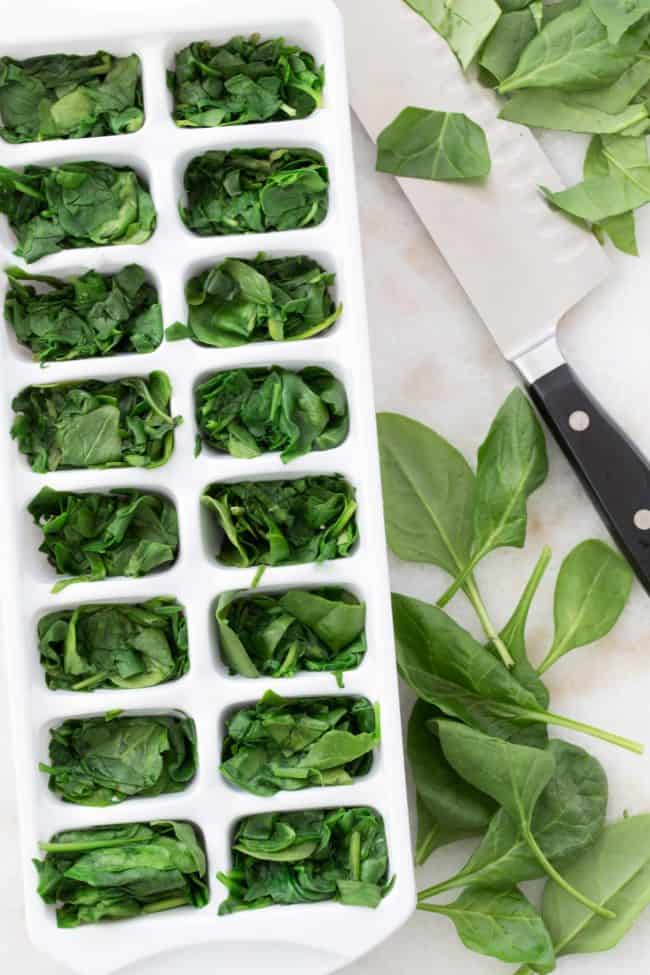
(434, 360)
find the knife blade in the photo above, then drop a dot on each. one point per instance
(522, 265)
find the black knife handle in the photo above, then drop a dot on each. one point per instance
(615, 474)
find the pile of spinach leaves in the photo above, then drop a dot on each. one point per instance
(255, 191)
(304, 857)
(285, 744)
(120, 645)
(69, 96)
(280, 634)
(573, 66)
(241, 301)
(76, 204)
(309, 519)
(105, 760)
(120, 423)
(94, 536)
(112, 872)
(248, 412)
(477, 739)
(244, 80)
(86, 316)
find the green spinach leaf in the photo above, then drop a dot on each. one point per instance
(69, 96)
(120, 423)
(513, 32)
(103, 761)
(285, 744)
(112, 872)
(244, 80)
(426, 144)
(90, 315)
(240, 301)
(255, 191)
(93, 536)
(248, 412)
(304, 857)
(77, 204)
(502, 924)
(121, 645)
(619, 15)
(309, 519)
(280, 634)
(465, 24)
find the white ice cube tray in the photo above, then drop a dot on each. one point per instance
(318, 937)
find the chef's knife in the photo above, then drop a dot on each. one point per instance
(522, 266)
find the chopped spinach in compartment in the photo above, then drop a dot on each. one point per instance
(76, 204)
(248, 412)
(244, 80)
(114, 645)
(280, 634)
(111, 872)
(309, 856)
(120, 423)
(94, 536)
(240, 301)
(82, 317)
(309, 519)
(69, 96)
(255, 191)
(105, 760)
(285, 744)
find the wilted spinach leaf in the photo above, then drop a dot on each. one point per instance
(81, 317)
(280, 634)
(248, 412)
(255, 191)
(465, 24)
(69, 96)
(241, 301)
(309, 519)
(285, 744)
(105, 760)
(77, 204)
(244, 80)
(426, 144)
(92, 536)
(121, 645)
(309, 856)
(120, 423)
(111, 872)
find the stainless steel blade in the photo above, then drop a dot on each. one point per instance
(522, 265)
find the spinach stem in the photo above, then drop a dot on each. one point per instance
(459, 582)
(548, 717)
(559, 879)
(479, 607)
(456, 881)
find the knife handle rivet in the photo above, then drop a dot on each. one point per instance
(579, 421)
(642, 520)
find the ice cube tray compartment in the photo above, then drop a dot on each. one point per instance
(323, 936)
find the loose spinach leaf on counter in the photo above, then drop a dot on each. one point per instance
(244, 80)
(513, 32)
(81, 317)
(105, 760)
(309, 856)
(69, 96)
(280, 634)
(285, 744)
(465, 25)
(426, 144)
(93, 536)
(240, 301)
(255, 191)
(121, 423)
(500, 923)
(121, 645)
(248, 412)
(309, 519)
(77, 204)
(568, 816)
(111, 872)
